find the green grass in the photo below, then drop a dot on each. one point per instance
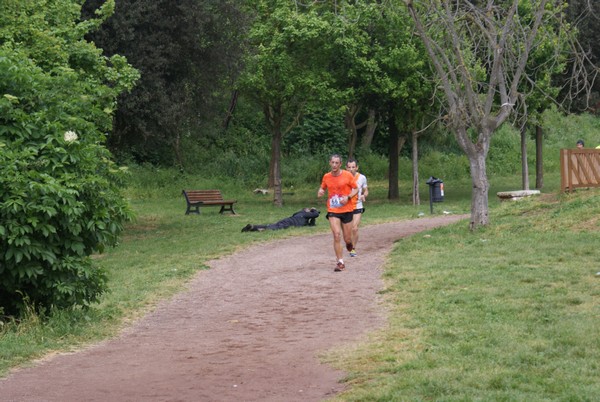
(509, 312)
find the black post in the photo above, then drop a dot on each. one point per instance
(431, 199)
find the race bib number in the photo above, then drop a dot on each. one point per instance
(335, 201)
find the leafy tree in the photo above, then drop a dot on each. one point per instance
(356, 66)
(60, 195)
(285, 71)
(377, 66)
(410, 100)
(188, 53)
(538, 92)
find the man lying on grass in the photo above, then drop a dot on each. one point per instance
(304, 217)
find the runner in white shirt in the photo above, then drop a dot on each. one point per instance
(363, 192)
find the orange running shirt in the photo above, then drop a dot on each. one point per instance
(338, 186)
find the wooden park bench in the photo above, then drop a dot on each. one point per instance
(206, 198)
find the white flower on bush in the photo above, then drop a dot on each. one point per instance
(70, 136)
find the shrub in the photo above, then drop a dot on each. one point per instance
(504, 157)
(320, 133)
(443, 165)
(60, 200)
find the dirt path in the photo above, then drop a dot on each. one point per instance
(249, 329)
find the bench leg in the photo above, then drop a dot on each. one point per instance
(223, 209)
(189, 210)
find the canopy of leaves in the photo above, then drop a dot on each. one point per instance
(285, 67)
(376, 59)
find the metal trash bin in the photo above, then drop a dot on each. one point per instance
(436, 191)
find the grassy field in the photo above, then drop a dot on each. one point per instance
(509, 312)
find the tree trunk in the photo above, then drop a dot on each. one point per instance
(524, 165)
(369, 130)
(270, 120)
(415, 167)
(274, 117)
(232, 105)
(539, 161)
(350, 123)
(276, 166)
(177, 151)
(393, 190)
(479, 196)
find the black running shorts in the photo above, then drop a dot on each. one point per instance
(345, 217)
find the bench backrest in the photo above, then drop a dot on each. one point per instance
(203, 195)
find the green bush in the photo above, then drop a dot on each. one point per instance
(561, 131)
(60, 200)
(504, 157)
(443, 165)
(375, 166)
(319, 133)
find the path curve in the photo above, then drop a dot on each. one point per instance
(250, 328)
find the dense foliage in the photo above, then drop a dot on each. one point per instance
(190, 53)
(60, 196)
(187, 52)
(365, 61)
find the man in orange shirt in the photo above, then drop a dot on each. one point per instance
(340, 186)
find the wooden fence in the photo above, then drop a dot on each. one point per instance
(579, 168)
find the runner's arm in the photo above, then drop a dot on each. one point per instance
(365, 193)
(352, 194)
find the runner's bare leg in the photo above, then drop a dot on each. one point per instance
(355, 222)
(347, 232)
(336, 229)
